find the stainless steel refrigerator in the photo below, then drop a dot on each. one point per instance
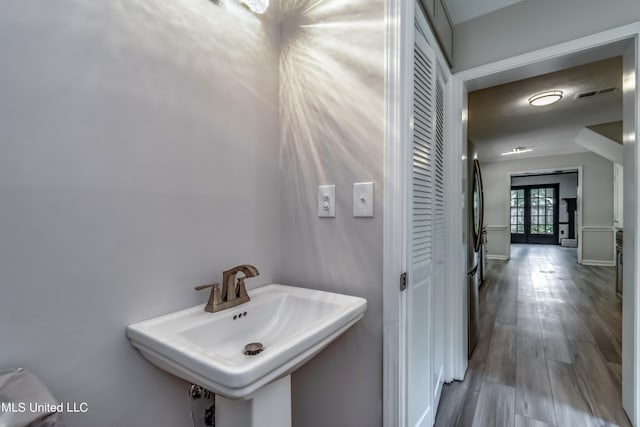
(474, 244)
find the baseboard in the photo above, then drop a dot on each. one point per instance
(498, 257)
(598, 263)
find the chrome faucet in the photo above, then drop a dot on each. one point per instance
(233, 291)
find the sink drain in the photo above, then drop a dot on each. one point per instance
(253, 348)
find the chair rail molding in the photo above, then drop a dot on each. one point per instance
(596, 228)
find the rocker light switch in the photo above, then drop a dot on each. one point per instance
(363, 199)
(327, 201)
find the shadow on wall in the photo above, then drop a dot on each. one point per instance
(220, 36)
(331, 109)
(331, 74)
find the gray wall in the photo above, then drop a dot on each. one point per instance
(332, 126)
(138, 158)
(597, 208)
(534, 24)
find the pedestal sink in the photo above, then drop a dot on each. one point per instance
(291, 324)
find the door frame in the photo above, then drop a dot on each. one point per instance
(399, 18)
(398, 36)
(579, 51)
(579, 202)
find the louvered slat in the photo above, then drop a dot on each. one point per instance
(439, 214)
(423, 191)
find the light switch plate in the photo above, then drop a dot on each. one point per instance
(363, 199)
(327, 201)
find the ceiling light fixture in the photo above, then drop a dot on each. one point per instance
(257, 6)
(517, 150)
(545, 98)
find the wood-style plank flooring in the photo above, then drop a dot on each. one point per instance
(549, 352)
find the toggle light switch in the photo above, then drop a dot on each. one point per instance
(363, 199)
(327, 201)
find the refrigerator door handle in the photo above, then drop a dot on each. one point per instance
(473, 271)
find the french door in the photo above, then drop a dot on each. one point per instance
(534, 214)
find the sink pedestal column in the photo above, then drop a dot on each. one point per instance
(268, 407)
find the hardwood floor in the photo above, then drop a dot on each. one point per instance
(549, 352)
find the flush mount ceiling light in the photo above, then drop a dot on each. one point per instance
(256, 6)
(517, 150)
(545, 98)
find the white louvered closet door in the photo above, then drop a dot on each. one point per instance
(420, 409)
(437, 320)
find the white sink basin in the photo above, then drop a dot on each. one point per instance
(207, 349)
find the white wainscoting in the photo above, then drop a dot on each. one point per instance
(598, 245)
(498, 242)
(498, 257)
(598, 263)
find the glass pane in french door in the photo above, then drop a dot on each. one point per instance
(517, 211)
(542, 208)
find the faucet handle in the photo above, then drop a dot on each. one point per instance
(214, 298)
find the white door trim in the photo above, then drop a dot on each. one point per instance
(397, 68)
(558, 57)
(493, 73)
(456, 296)
(631, 272)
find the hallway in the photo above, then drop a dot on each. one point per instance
(549, 351)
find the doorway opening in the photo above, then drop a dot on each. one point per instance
(545, 209)
(550, 294)
(541, 310)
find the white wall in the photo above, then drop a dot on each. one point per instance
(332, 125)
(597, 204)
(138, 158)
(534, 24)
(567, 183)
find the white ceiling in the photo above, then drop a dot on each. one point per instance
(464, 10)
(500, 117)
